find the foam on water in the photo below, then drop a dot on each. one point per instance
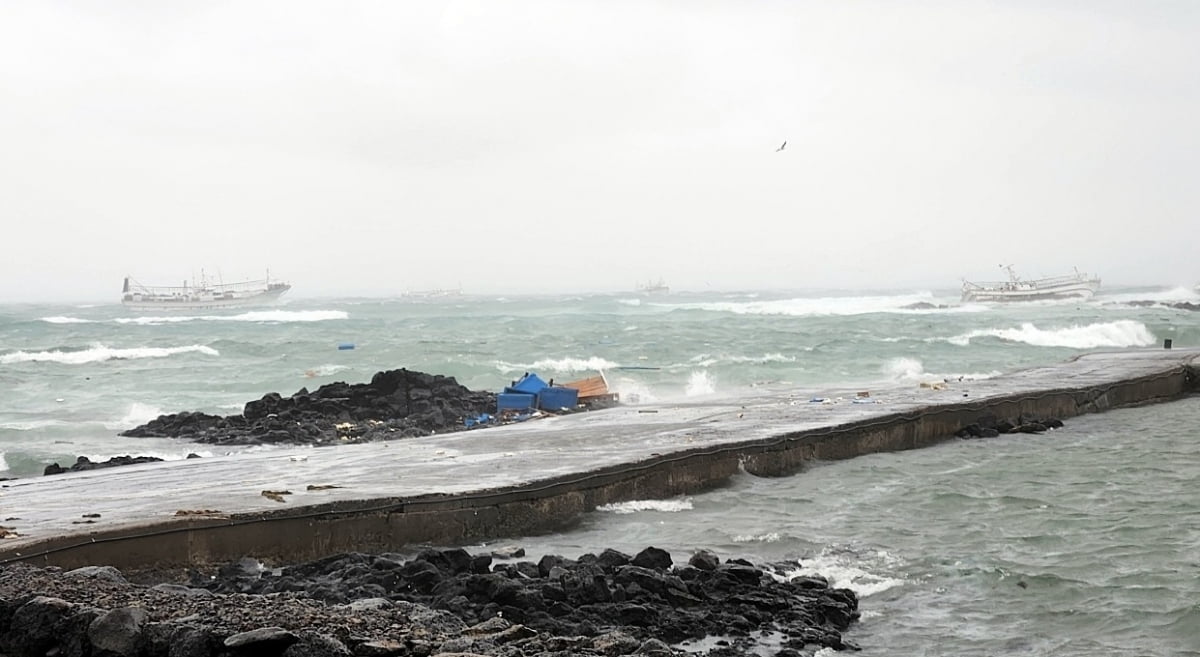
(1178, 294)
(906, 368)
(769, 537)
(272, 316)
(32, 425)
(806, 306)
(99, 353)
(845, 570)
(559, 365)
(59, 319)
(1121, 333)
(665, 506)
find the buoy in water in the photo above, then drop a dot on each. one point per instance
(344, 346)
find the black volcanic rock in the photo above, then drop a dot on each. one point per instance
(591, 599)
(84, 463)
(395, 404)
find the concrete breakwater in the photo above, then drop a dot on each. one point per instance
(526, 478)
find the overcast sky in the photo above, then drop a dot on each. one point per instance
(381, 147)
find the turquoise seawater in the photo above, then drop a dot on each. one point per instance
(1083, 541)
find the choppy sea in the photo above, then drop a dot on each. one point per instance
(1082, 541)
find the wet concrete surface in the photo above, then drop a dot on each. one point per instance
(134, 498)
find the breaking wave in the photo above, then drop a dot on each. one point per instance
(101, 353)
(921, 302)
(559, 365)
(275, 316)
(58, 319)
(666, 506)
(1122, 333)
(846, 570)
(905, 368)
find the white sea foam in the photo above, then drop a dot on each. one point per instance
(845, 570)
(707, 360)
(3, 463)
(630, 302)
(769, 537)
(1179, 294)
(272, 316)
(1121, 333)
(700, 383)
(137, 414)
(665, 506)
(905, 368)
(31, 425)
(59, 319)
(816, 306)
(326, 370)
(559, 365)
(99, 353)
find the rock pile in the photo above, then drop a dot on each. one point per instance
(439, 602)
(989, 426)
(395, 404)
(84, 463)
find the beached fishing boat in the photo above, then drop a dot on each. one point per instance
(1076, 285)
(202, 294)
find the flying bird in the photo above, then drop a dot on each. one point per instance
(781, 146)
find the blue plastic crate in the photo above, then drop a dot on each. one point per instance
(558, 397)
(515, 401)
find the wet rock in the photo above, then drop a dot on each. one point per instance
(84, 463)
(264, 640)
(99, 572)
(119, 632)
(395, 404)
(704, 560)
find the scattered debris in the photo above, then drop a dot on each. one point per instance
(276, 495)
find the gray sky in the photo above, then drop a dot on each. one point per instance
(379, 147)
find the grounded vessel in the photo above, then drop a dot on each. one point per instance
(1076, 285)
(201, 294)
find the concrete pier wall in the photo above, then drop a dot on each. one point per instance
(381, 524)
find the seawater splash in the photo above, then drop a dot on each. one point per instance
(1178, 294)
(665, 506)
(138, 414)
(99, 353)
(700, 383)
(264, 316)
(1121, 333)
(920, 302)
(905, 368)
(847, 570)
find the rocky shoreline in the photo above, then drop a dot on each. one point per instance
(395, 404)
(437, 602)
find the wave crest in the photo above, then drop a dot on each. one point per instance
(100, 353)
(1121, 333)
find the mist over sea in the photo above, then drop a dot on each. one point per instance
(1081, 541)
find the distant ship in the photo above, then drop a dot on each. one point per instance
(653, 287)
(1076, 285)
(202, 294)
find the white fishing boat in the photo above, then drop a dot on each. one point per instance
(653, 287)
(1077, 285)
(202, 294)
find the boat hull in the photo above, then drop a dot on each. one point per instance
(202, 302)
(1032, 291)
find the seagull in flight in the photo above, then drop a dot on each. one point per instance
(781, 146)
